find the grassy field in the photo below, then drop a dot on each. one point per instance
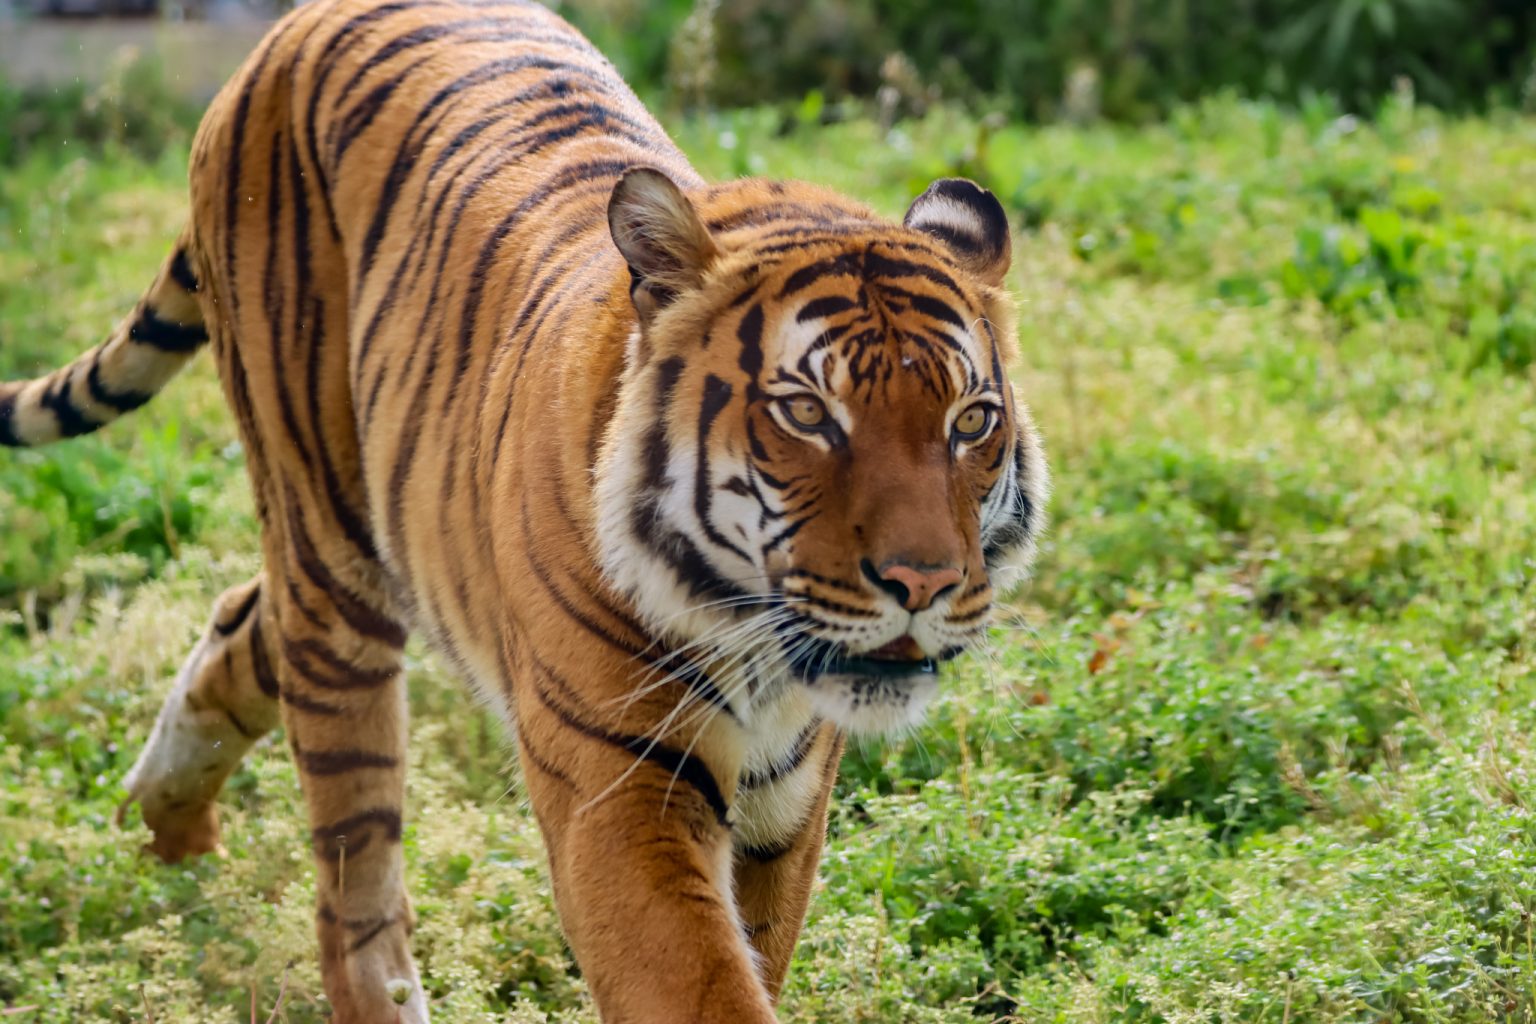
(1255, 746)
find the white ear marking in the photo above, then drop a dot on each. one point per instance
(969, 221)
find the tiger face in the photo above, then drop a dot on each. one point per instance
(819, 474)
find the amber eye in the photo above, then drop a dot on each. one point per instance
(805, 410)
(973, 422)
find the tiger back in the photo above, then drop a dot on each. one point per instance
(686, 480)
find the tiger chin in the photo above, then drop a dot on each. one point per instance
(687, 480)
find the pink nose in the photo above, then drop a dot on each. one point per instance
(916, 589)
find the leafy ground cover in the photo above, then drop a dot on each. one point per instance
(1255, 746)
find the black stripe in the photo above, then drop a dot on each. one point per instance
(181, 272)
(768, 854)
(797, 755)
(563, 181)
(577, 283)
(235, 621)
(645, 517)
(681, 554)
(717, 394)
(330, 840)
(543, 764)
(332, 673)
(884, 266)
(690, 676)
(658, 450)
(297, 597)
(339, 762)
(842, 265)
(275, 299)
(826, 581)
(165, 335)
(357, 120)
(937, 310)
(805, 217)
(963, 242)
(596, 594)
(678, 765)
(261, 667)
(835, 607)
(750, 333)
(766, 253)
(72, 421)
(240, 726)
(308, 704)
(367, 621)
(8, 436)
(820, 232)
(793, 528)
(406, 157)
(237, 135)
(1011, 533)
(370, 934)
(409, 40)
(827, 305)
(353, 528)
(121, 401)
(966, 618)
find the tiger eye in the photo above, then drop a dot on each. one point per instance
(973, 421)
(806, 410)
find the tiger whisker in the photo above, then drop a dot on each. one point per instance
(741, 666)
(708, 637)
(724, 603)
(763, 626)
(717, 639)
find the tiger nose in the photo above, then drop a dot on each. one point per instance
(914, 588)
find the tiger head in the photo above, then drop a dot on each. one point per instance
(818, 473)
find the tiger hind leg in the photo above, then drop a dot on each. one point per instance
(223, 701)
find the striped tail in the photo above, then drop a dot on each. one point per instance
(117, 376)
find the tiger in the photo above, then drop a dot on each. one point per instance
(689, 482)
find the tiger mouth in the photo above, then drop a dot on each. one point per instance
(810, 661)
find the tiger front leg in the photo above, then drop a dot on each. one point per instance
(640, 853)
(223, 701)
(778, 845)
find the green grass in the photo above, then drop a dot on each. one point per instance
(1254, 747)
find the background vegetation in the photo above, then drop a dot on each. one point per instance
(1254, 747)
(1129, 59)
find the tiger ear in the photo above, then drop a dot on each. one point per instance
(970, 222)
(661, 237)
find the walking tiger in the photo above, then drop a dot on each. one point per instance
(688, 480)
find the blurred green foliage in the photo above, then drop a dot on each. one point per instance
(1125, 59)
(133, 111)
(115, 513)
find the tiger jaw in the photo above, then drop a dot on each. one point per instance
(873, 692)
(874, 704)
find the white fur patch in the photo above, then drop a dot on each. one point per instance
(943, 213)
(772, 812)
(870, 707)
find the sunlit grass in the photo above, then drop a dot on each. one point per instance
(1254, 747)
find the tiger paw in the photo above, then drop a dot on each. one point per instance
(180, 832)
